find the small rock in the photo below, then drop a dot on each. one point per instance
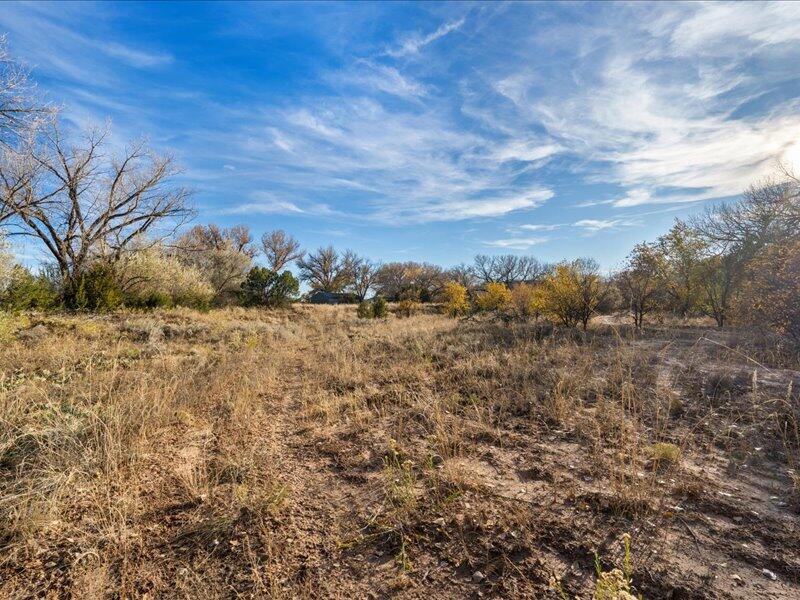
(34, 334)
(770, 574)
(737, 580)
(477, 577)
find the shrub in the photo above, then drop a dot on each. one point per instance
(25, 291)
(380, 308)
(366, 310)
(263, 287)
(664, 454)
(455, 299)
(96, 289)
(152, 278)
(617, 583)
(495, 297)
(526, 301)
(408, 303)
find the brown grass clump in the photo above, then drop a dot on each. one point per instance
(309, 453)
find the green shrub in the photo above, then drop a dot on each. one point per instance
(263, 287)
(96, 289)
(26, 291)
(366, 310)
(380, 308)
(664, 454)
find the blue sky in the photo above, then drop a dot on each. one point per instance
(428, 131)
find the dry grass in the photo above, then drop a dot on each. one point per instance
(307, 453)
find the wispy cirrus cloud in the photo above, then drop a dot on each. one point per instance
(516, 243)
(415, 42)
(497, 121)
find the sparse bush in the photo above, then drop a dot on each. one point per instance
(152, 278)
(365, 310)
(408, 304)
(616, 584)
(455, 299)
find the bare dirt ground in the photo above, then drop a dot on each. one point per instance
(309, 454)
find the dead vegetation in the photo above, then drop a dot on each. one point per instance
(307, 453)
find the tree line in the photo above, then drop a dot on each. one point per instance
(113, 222)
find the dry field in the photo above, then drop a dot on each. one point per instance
(305, 453)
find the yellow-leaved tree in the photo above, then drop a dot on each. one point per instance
(494, 297)
(527, 301)
(455, 299)
(573, 292)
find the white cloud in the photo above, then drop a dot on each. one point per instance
(596, 224)
(516, 243)
(713, 25)
(416, 41)
(670, 130)
(265, 207)
(538, 227)
(369, 76)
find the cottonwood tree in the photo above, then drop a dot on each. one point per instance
(508, 269)
(681, 252)
(280, 249)
(223, 255)
(423, 280)
(640, 282)
(83, 204)
(768, 212)
(363, 277)
(20, 112)
(771, 294)
(327, 270)
(462, 274)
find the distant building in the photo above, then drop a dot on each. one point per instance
(321, 297)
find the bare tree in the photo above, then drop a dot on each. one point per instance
(223, 256)
(364, 272)
(326, 270)
(508, 269)
(768, 211)
(83, 205)
(422, 279)
(19, 110)
(462, 274)
(280, 249)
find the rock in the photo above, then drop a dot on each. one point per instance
(770, 574)
(34, 334)
(737, 580)
(477, 577)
